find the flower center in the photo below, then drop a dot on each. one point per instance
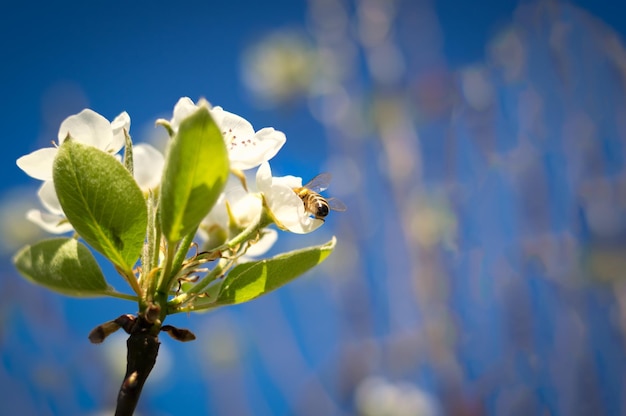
(233, 141)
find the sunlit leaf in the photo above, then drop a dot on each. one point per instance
(64, 265)
(195, 173)
(248, 281)
(102, 201)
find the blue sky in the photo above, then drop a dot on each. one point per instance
(140, 57)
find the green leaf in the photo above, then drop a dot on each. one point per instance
(251, 280)
(195, 173)
(64, 265)
(102, 201)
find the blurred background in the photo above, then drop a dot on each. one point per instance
(479, 146)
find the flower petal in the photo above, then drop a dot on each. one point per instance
(88, 127)
(218, 214)
(264, 177)
(269, 142)
(234, 127)
(246, 149)
(148, 166)
(288, 181)
(246, 209)
(183, 109)
(52, 223)
(38, 164)
(48, 197)
(118, 125)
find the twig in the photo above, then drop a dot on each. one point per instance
(143, 348)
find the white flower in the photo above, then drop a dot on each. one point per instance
(244, 208)
(284, 204)
(183, 109)
(87, 127)
(247, 149)
(52, 223)
(53, 220)
(90, 128)
(235, 210)
(148, 165)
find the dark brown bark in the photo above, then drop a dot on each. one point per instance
(143, 348)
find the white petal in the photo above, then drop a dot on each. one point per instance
(121, 122)
(183, 109)
(232, 125)
(54, 224)
(87, 127)
(238, 136)
(306, 225)
(247, 149)
(118, 125)
(148, 166)
(264, 178)
(247, 209)
(48, 197)
(218, 215)
(288, 181)
(269, 142)
(38, 164)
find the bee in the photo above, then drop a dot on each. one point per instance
(314, 203)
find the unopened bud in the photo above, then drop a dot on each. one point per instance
(99, 333)
(182, 335)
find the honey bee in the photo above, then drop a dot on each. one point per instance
(314, 203)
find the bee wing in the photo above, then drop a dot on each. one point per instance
(319, 183)
(336, 205)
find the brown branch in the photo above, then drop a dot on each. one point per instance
(143, 348)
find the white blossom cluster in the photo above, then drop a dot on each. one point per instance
(241, 202)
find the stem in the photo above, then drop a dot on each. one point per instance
(122, 296)
(181, 253)
(224, 263)
(143, 348)
(128, 152)
(245, 234)
(149, 255)
(154, 261)
(130, 278)
(163, 277)
(188, 296)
